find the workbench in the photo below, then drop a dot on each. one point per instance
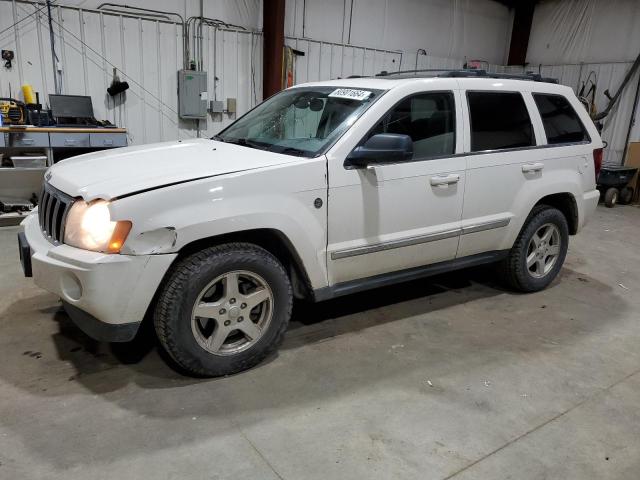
(56, 143)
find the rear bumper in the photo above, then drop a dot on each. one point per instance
(106, 295)
(589, 202)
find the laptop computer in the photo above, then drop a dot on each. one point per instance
(72, 110)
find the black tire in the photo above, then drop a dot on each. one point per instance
(626, 195)
(182, 288)
(514, 268)
(611, 197)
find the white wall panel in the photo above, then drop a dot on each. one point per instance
(413, 62)
(592, 35)
(574, 31)
(444, 28)
(146, 53)
(247, 13)
(327, 61)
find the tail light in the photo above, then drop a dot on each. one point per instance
(597, 160)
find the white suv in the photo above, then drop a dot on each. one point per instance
(324, 189)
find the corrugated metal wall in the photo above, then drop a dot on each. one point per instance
(327, 60)
(146, 53)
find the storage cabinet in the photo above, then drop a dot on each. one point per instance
(69, 140)
(26, 181)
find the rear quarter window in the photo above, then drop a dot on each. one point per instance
(560, 120)
(499, 120)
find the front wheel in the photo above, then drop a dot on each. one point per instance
(224, 309)
(539, 251)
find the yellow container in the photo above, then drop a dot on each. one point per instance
(27, 93)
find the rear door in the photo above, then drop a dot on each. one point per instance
(500, 141)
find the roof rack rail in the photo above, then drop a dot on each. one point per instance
(385, 73)
(471, 73)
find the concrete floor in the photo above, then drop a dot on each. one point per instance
(450, 377)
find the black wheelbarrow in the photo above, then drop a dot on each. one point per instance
(612, 183)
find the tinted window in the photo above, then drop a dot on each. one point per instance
(560, 120)
(499, 120)
(428, 118)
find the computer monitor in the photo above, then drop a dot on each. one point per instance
(71, 106)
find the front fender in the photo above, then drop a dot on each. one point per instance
(280, 198)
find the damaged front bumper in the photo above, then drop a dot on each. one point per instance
(106, 295)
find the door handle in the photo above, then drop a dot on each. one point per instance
(442, 180)
(532, 167)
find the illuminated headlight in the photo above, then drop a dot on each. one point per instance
(89, 226)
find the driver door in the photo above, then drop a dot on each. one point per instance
(386, 218)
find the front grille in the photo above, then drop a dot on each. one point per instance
(53, 208)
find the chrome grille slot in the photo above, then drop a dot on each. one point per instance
(53, 208)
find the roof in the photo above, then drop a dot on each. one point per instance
(465, 73)
(360, 82)
(387, 81)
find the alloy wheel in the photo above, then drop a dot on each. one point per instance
(543, 250)
(232, 312)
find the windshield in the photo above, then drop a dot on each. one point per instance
(303, 121)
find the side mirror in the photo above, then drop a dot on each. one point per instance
(382, 148)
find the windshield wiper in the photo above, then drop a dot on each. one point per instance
(245, 142)
(292, 151)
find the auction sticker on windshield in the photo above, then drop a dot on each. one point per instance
(350, 93)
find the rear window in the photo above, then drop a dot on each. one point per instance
(499, 120)
(560, 120)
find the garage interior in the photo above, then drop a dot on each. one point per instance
(449, 377)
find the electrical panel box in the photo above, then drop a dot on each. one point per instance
(192, 94)
(216, 106)
(231, 105)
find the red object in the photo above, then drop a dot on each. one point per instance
(597, 160)
(273, 44)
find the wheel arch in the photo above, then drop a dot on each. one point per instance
(272, 240)
(566, 203)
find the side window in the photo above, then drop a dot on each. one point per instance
(428, 118)
(499, 120)
(560, 120)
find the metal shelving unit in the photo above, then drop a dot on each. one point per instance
(53, 142)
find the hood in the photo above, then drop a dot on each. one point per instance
(113, 173)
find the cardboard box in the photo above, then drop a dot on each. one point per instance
(633, 160)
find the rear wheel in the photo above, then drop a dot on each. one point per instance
(611, 197)
(539, 251)
(224, 309)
